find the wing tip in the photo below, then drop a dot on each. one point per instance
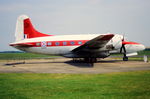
(107, 37)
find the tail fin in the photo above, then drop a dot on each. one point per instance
(25, 29)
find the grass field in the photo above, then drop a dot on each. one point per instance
(127, 85)
(141, 54)
(12, 56)
(146, 52)
(4, 56)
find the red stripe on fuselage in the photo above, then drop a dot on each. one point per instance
(54, 43)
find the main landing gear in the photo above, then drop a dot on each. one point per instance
(90, 60)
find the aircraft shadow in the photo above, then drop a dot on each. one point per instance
(109, 61)
(88, 65)
(18, 63)
(81, 64)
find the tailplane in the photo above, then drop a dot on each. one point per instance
(25, 29)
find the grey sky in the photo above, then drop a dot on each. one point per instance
(58, 17)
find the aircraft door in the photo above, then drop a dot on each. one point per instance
(43, 44)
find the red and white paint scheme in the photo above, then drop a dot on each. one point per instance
(87, 46)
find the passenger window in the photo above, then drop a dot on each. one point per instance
(80, 42)
(38, 44)
(49, 43)
(57, 43)
(64, 43)
(72, 43)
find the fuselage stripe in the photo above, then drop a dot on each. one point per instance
(56, 43)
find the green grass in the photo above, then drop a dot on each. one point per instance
(141, 53)
(132, 58)
(146, 52)
(127, 85)
(138, 59)
(12, 56)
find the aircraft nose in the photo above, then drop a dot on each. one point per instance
(142, 47)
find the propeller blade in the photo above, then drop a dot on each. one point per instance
(123, 49)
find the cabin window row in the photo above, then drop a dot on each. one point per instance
(61, 43)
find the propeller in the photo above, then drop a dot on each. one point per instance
(123, 50)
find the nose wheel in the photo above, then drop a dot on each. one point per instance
(123, 50)
(125, 58)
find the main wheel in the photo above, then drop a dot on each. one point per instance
(90, 60)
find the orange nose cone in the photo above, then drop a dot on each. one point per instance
(142, 47)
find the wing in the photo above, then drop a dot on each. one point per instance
(95, 43)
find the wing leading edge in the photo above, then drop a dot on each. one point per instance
(96, 43)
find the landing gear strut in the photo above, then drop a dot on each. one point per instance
(90, 60)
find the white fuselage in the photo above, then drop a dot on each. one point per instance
(63, 44)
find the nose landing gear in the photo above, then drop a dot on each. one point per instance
(125, 58)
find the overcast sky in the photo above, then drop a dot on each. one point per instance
(59, 17)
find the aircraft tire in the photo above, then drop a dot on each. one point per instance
(125, 58)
